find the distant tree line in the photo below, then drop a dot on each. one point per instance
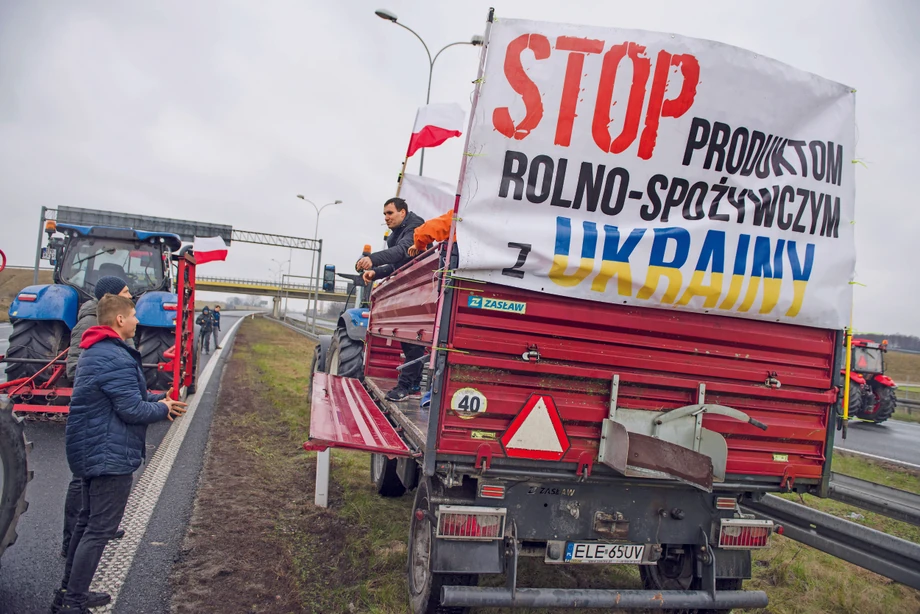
(895, 342)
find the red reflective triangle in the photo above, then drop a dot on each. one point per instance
(537, 431)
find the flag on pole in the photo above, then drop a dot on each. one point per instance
(209, 249)
(428, 197)
(434, 124)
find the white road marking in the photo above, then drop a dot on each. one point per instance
(119, 554)
(893, 461)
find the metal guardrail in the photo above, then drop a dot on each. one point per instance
(886, 555)
(890, 502)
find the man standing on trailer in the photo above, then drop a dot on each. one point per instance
(402, 224)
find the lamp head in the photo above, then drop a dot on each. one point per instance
(385, 14)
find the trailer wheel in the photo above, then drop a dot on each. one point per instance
(345, 356)
(14, 474)
(152, 343)
(35, 339)
(675, 573)
(385, 477)
(425, 586)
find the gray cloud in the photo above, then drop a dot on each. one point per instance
(224, 110)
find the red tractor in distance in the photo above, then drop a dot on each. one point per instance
(874, 391)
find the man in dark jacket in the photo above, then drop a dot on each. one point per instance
(215, 329)
(402, 224)
(205, 323)
(105, 442)
(86, 319)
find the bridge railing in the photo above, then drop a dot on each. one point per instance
(340, 288)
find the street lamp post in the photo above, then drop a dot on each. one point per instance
(476, 40)
(316, 261)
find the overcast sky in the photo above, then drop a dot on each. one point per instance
(223, 111)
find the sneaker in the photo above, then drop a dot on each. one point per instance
(426, 400)
(119, 534)
(397, 394)
(416, 391)
(95, 600)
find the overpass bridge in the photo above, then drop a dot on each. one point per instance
(269, 288)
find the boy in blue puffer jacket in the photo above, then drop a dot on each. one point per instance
(106, 442)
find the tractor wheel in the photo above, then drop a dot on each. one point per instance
(857, 399)
(885, 403)
(345, 356)
(36, 339)
(14, 474)
(384, 476)
(152, 343)
(424, 585)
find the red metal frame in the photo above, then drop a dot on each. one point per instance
(56, 399)
(343, 415)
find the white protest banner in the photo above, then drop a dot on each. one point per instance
(657, 170)
(426, 196)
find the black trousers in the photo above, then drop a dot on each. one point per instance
(104, 501)
(72, 505)
(411, 376)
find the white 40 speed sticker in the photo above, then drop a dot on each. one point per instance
(468, 403)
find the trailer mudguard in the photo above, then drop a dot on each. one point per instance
(52, 302)
(355, 325)
(151, 309)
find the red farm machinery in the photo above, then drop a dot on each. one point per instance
(872, 393)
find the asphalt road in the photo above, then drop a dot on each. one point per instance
(32, 568)
(892, 439)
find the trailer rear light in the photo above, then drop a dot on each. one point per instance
(170, 306)
(492, 491)
(27, 297)
(726, 503)
(741, 534)
(471, 522)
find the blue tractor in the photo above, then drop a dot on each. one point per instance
(43, 315)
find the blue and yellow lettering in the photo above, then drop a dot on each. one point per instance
(712, 260)
(760, 269)
(557, 272)
(658, 268)
(616, 260)
(738, 271)
(800, 275)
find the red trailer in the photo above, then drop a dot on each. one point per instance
(577, 419)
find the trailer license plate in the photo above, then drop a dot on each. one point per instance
(576, 552)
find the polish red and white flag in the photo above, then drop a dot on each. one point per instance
(434, 124)
(209, 249)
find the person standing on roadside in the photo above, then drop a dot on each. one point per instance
(215, 328)
(205, 324)
(86, 318)
(105, 442)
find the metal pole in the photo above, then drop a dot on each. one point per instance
(313, 267)
(286, 294)
(319, 260)
(38, 249)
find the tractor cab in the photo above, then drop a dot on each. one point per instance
(85, 254)
(868, 357)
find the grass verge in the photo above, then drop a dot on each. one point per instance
(351, 557)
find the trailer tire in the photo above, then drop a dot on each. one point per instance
(14, 474)
(385, 477)
(346, 356)
(36, 339)
(679, 576)
(425, 586)
(152, 343)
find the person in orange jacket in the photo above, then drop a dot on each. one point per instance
(435, 229)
